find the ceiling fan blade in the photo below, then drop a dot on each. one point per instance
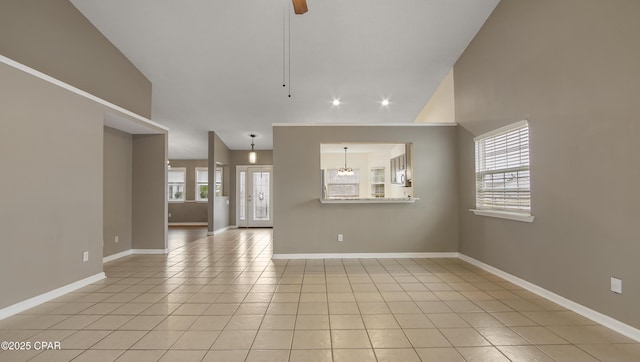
(300, 6)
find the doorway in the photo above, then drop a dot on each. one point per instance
(254, 190)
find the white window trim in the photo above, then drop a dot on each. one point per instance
(504, 215)
(197, 189)
(184, 196)
(516, 216)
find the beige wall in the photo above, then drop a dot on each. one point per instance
(55, 38)
(190, 211)
(149, 191)
(117, 195)
(51, 155)
(303, 225)
(219, 154)
(221, 207)
(571, 68)
(441, 107)
(55, 144)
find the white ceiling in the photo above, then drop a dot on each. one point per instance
(218, 65)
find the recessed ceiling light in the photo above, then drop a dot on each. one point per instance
(336, 102)
(385, 102)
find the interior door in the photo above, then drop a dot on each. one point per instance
(254, 189)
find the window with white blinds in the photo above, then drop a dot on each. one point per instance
(503, 181)
(175, 184)
(342, 186)
(202, 184)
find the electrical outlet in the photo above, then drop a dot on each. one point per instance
(117, 239)
(616, 285)
(85, 256)
(340, 237)
(169, 214)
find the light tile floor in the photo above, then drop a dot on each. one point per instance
(222, 298)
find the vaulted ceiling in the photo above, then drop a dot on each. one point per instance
(220, 65)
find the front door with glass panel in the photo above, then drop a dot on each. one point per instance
(254, 186)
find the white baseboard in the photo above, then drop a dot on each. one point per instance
(216, 232)
(43, 298)
(597, 317)
(204, 223)
(365, 255)
(149, 251)
(117, 256)
(113, 257)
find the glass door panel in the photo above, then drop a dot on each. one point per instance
(242, 196)
(261, 195)
(254, 189)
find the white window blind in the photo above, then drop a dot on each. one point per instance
(175, 187)
(346, 186)
(503, 180)
(202, 184)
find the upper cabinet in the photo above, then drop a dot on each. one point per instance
(401, 167)
(377, 181)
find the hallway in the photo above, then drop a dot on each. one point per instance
(222, 298)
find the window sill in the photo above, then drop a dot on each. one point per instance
(504, 215)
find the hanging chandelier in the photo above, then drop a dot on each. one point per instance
(345, 171)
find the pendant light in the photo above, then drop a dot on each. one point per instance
(253, 156)
(345, 171)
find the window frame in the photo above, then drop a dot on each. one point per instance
(197, 183)
(522, 171)
(183, 183)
